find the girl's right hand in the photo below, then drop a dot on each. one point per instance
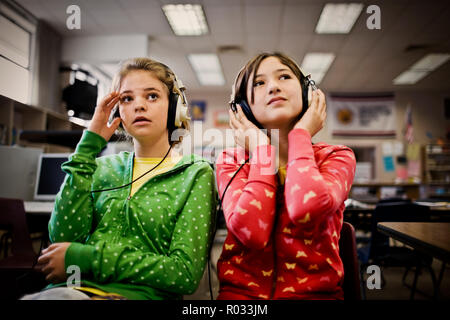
(246, 134)
(99, 123)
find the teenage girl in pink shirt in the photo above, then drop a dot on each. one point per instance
(283, 225)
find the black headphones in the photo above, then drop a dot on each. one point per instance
(239, 97)
(178, 105)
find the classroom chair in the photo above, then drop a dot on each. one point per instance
(17, 275)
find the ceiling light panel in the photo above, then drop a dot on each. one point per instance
(207, 68)
(422, 68)
(431, 62)
(317, 64)
(338, 18)
(186, 19)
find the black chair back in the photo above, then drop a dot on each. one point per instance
(347, 252)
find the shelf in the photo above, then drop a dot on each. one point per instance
(386, 184)
(439, 195)
(28, 125)
(61, 138)
(68, 138)
(437, 149)
(441, 168)
(437, 170)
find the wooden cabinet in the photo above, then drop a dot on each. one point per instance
(16, 117)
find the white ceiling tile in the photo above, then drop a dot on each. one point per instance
(295, 44)
(326, 43)
(225, 19)
(263, 19)
(228, 39)
(260, 43)
(300, 18)
(231, 64)
(197, 44)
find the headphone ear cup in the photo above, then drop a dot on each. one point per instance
(117, 115)
(309, 95)
(248, 113)
(246, 109)
(181, 113)
(171, 114)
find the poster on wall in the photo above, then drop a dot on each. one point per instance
(221, 119)
(366, 116)
(198, 110)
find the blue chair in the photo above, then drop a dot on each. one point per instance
(17, 275)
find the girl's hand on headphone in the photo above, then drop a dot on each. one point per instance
(314, 118)
(99, 123)
(246, 134)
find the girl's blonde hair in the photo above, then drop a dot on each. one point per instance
(160, 71)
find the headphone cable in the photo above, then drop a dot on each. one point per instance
(215, 227)
(126, 185)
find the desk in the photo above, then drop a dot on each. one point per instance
(356, 215)
(429, 237)
(38, 214)
(38, 207)
(432, 238)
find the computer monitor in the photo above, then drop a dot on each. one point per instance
(49, 175)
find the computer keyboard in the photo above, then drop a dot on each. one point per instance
(39, 206)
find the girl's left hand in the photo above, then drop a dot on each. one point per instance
(52, 262)
(314, 118)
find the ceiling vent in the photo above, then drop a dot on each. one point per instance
(230, 49)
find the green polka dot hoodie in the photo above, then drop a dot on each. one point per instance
(152, 245)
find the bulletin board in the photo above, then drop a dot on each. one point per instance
(362, 115)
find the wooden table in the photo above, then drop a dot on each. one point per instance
(429, 237)
(432, 238)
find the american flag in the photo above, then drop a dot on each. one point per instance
(409, 132)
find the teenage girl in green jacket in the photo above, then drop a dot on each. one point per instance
(143, 240)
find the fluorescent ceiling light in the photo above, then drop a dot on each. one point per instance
(338, 18)
(409, 77)
(186, 19)
(207, 69)
(317, 64)
(422, 68)
(431, 62)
